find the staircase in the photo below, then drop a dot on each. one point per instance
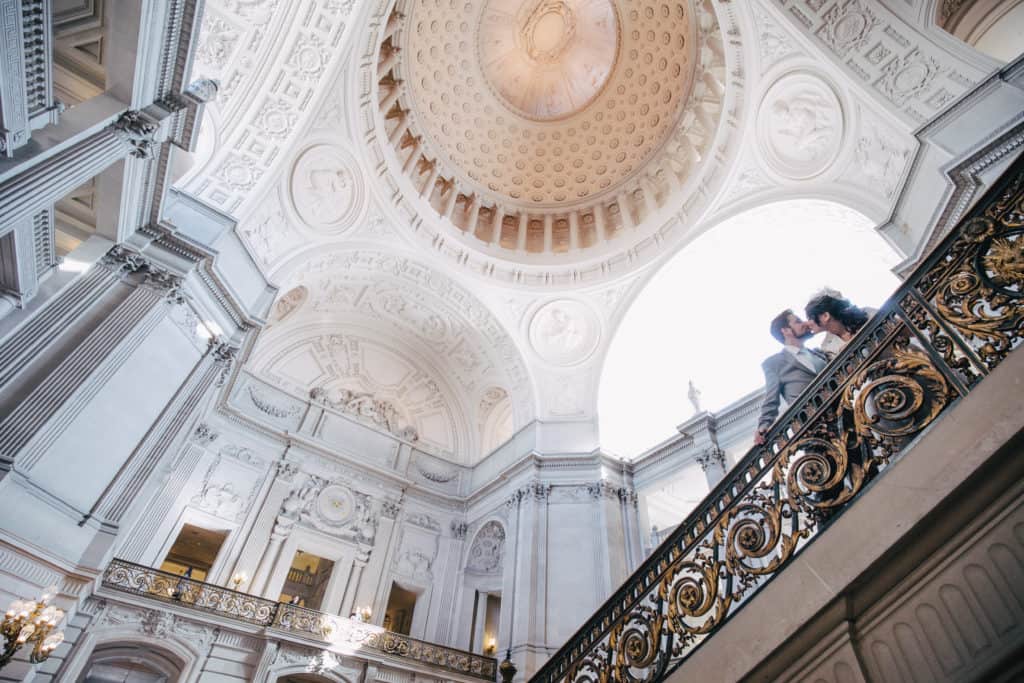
(936, 340)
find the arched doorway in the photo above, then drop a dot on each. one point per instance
(131, 663)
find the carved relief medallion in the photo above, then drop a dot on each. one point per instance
(327, 192)
(800, 126)
(335, 504)
(564, 332)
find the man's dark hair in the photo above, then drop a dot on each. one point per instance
(852, 317)
(780, 321)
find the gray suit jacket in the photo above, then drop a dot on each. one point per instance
(784, 378)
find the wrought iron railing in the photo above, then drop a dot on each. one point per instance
(954, 320)
(329, 629)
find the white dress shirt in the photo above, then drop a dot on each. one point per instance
(804, 356)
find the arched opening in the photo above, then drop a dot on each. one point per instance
(482, 607)
(993, 27)
(131, 663)
(704, 318)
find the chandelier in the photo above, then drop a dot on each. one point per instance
(32, 621)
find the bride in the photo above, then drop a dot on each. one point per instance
(829, 312)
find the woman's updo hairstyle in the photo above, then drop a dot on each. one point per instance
(852, 317)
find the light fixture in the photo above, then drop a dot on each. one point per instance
(32, 621)
(239, 578)
(363, 614)
(490, 645)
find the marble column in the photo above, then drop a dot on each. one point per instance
(28, 431)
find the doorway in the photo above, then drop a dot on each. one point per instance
(398, 614)
(194, 551)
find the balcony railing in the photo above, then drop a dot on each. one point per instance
(299, 622)
(947, 327)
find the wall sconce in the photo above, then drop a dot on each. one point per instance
(32, 621)
(239, 578)
(490, 646)
(363, 614)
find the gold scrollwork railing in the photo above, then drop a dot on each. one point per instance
(128, 577)
(947, 327)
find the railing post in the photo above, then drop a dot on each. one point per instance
(507, 669)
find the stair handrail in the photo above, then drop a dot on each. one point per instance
(958, 315)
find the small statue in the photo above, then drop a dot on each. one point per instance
(694, 395)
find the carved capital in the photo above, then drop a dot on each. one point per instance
(459, 529)
(123, 260)
(711, 456)
(532, 491)
(224, 356)
(204, 434)
(390, 509)
(137, 131)
(286, 471)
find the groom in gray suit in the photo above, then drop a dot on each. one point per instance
(789, 371)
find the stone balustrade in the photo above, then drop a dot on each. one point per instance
(329, 631)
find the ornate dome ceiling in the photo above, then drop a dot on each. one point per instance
(547, 128)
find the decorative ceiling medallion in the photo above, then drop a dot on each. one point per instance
(335, 504)
(565, 332)
(800, 126)
(326, 190)
(547, 59)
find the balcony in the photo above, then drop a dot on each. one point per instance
(934, 342)
(330, 632)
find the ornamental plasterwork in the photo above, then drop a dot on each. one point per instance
(487, 551)
(331, 507)
(773, 41)
(400, 294)
(800, 126)
(565, 332)
(268, 233)
(880, 157)
(270, 74)
(890, 58)
(366, 407)
(326, 191)
(345, 365)
(228, 489)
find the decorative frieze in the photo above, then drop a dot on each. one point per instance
(535, 491)
(366, 407)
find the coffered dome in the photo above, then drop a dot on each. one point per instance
(547, 128)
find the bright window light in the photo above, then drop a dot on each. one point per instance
(704, 316)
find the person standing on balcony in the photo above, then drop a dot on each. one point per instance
(788, 372)
(829, 312)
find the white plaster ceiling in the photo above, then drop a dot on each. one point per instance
(375, 321)
(301, 148)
